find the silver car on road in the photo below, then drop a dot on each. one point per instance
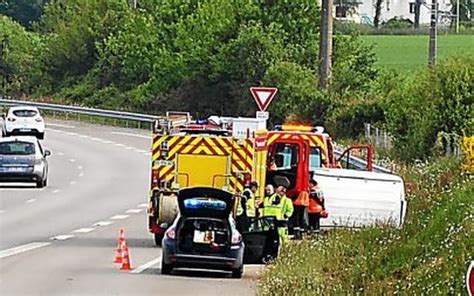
(23, 159)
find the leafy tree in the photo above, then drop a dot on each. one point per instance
(18, 56)
(73, 28)
(378, 12)
(26, 12)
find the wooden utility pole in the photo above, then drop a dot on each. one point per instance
(325, 44)
(433, 33)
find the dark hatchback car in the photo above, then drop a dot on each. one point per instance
(204, 235)
(23, 159)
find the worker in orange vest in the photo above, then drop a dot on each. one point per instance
(299, 204)
(316, 209)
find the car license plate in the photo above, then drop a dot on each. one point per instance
(25, 130)
(16, 169)
(203, 237)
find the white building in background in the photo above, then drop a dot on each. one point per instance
(364, 10)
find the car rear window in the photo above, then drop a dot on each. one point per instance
(204, 203)
(17, 148)
(25, 113)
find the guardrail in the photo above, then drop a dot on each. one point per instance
(140, 118)
(119, 115)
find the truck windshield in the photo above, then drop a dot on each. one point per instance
(286, 157)
(17, 148)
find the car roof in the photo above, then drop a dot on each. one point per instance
(30, 139)
(23, 108)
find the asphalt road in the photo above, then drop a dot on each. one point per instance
(59, 240)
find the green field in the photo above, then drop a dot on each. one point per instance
(411, 52)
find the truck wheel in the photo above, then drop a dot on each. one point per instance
(158, 239)
(166, 268)
(237, 273)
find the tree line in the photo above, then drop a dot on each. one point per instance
(203, 55)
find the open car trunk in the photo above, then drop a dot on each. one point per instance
(203, 236)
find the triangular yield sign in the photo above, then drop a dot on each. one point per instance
(263, 96)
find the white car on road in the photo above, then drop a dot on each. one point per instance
(23, 120)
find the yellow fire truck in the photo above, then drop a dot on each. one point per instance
(228, 153)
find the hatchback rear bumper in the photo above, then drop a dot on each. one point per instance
(18, 132)
(20, 177)
(207, 262)
(233, 259)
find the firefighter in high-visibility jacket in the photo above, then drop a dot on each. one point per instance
(299, 204)
(316, 208)
(279, 206)
(246, 207)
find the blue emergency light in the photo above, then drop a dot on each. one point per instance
(199, 203)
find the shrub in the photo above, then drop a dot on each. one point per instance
(433, 101)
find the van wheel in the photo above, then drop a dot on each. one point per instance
(237, 273)
(166, 268)
(158, 239)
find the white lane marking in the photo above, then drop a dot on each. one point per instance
(119, 145)
(83, 230)
(56, 191)
(103, 223)
(119, 217)
(147, 153)
(31, 200)
(107, 142)
(71, 134)
(133, 211)
(147, 265)
(22, 249)
(72, 182)
(143, 205)
(62, 237)
(2, 211)
(79, 167)
(140, 151)
(60, 153)
(72, 160)
(84, 136)
(60, 125)
(81, 174)
(129, 148)
(132, 135)
(96, 139)
(54, 130)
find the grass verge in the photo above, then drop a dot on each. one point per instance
(429, 255)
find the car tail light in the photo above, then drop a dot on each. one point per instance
(38, 119)
(236, 238)
(171, 233)
(11, 119)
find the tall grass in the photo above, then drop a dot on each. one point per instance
(429, 255)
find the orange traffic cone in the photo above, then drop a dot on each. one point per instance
(120, 246)
(126, 265)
